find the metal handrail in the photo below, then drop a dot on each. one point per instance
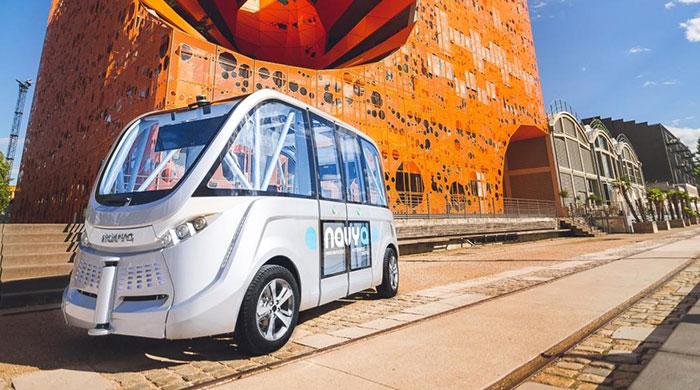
(418, 206)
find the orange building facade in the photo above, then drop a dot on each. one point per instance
(449, 89)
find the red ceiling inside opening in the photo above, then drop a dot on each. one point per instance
(315, 34)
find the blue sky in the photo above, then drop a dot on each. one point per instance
(24, 25)
(632, 59)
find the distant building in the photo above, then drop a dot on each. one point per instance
(666, 160)
(590, 159)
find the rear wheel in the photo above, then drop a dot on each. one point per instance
(390, 279)
(269, 312)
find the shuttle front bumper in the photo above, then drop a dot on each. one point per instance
(133, 295)
(128, 295)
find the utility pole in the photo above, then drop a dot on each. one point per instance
(17, 122)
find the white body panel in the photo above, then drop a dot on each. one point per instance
(194, 287)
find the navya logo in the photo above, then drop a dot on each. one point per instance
(117, 238)
(339, 236)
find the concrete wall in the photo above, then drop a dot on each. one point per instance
(421, 228)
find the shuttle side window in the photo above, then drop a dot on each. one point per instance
(375, 185)
(328, 161)
(352, 164)
(270, 153)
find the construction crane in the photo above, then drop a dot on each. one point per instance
(17, 122)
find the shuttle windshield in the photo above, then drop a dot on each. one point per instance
(158, 151)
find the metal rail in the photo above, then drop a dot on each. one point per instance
(418, 207)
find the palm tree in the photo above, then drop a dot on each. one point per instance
(673, 196)
(651, 201)
(684, 199)
(624, 185)
(656, 198)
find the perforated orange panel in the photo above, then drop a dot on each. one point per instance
(443, 108)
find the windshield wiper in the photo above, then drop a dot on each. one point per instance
(117, 200)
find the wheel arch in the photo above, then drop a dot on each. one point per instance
(287, 263)
(393, 247)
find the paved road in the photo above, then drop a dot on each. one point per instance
(476, 346)
(40, 342)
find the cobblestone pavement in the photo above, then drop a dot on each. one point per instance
(155, 364)
(613, 356)
(437, 268)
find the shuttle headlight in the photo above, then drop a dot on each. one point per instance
(167, 239)
(199, 223)
(183, 231)
(84, 240)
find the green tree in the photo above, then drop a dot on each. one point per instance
(696, 170)
(674, 198)
(4, 184)
(656, 199)
(624, 185)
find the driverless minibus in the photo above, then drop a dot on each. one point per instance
(231, 217)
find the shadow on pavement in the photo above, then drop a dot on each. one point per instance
(42, 340)
(629, 365)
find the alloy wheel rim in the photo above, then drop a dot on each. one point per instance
(394, 272)
(275, 310)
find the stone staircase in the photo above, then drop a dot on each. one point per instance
(579, 228)
(35, 262)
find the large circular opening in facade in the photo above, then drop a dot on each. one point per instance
(306, 33)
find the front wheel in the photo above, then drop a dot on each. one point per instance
(269, 312)
(390, 279)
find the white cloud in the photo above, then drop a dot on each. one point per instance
(672, 4)
(687, 135)
(638, 50)
(692, 28)
(651, 83)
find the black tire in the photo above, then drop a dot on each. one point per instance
(248, 332)
(388, 289)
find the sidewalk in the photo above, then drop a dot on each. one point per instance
(476, 346)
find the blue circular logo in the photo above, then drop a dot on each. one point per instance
(311, 238)
(364, 236)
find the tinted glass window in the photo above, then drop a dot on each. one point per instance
(158, 150)
(269, 153)
(333, 251)
(352, 162)
(328, 163)
(375, 181)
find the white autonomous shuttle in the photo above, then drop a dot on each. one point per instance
(231, 216)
